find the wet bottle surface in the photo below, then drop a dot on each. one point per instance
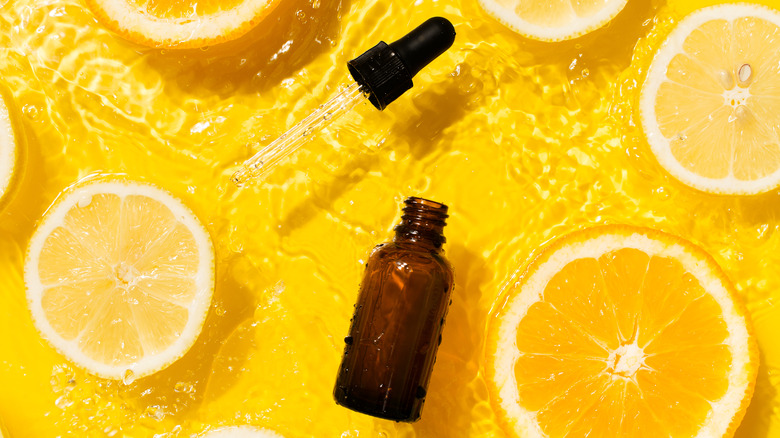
(398, 320)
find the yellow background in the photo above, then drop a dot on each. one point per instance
(525, 141)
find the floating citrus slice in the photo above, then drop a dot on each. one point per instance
(710, 105)
(119, 278)
(621, 331)
(554, 20)
(10, 148)
(241, 432)
(181, 24)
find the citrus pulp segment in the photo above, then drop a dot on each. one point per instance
(9, 149)
(181, 24)
(241, 432)
(710, 105)
(621, 331)
(119, 278)
(556, 20)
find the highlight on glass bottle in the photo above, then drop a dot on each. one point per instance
(399, 317)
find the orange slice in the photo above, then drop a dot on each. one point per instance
(181, 24)
(625, 332)
(119, 278)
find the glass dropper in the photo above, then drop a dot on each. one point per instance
(381, 75)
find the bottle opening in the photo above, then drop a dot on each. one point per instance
(423, 220)
(425, 210)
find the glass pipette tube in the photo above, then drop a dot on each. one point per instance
(262, 162)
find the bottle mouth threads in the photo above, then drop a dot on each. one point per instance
(423, 220)
(425, 210)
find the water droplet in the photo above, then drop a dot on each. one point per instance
(348, 340)
(128, 377)
(154, 412)
(421, 392)
(184, 387)
(220, 311)
(585, 72)
(63, 402)
(30, 111)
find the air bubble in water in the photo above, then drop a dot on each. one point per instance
(184, 387)
(63, 402)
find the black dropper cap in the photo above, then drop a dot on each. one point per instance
(386, 71)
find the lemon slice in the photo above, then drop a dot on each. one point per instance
(9, 150)
(181, 24)
(241, 432)
(710, 106)
(119, 278)
(553, 20)
(621, 332)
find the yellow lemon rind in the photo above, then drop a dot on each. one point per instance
(594, 242)
(198, 310)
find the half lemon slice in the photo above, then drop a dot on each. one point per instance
(119, 278)
(10, 148)
(180, 24)
(710, 106)
(624, 332)
(553, 20)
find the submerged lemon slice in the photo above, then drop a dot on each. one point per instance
(710, 105)
(241, 432)
(119, 278)
(553, 20)
(9, 150)
(621, 331)
(181, 24)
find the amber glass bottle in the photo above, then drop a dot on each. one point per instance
(399, 316)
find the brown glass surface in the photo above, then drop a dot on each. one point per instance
(398, 320)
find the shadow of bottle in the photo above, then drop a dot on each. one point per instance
(457, 394)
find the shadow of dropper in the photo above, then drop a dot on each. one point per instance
(381, 75)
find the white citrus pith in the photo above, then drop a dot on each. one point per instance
(241, 432)
(553, 20)
(8, 149)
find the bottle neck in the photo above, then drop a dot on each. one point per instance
(422, 223)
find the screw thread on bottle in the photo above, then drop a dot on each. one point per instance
(422, 221)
